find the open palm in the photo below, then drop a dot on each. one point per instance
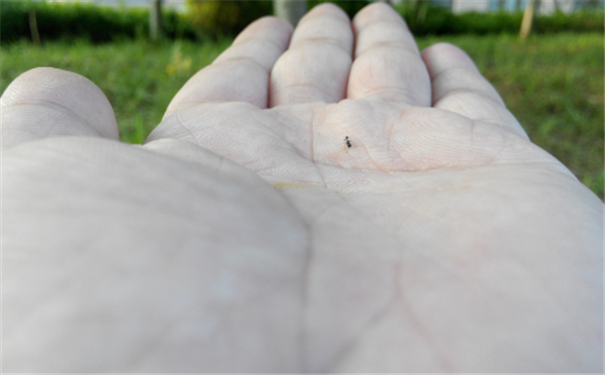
(402, 220)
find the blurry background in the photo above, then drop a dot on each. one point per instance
(140, 52)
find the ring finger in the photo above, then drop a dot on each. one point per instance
(387, 62)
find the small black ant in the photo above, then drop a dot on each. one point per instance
(347, 143)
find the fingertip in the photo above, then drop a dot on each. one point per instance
(444, 48)
(330, 9)
(376, 11)
(52, 90)
(51, 84)
(265, 27)
(442, 55)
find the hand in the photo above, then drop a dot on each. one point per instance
(327, 199)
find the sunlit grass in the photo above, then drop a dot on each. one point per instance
(552, 83)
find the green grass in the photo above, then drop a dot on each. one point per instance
(552, 83)
(139, 78)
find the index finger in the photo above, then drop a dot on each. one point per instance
(241, 73)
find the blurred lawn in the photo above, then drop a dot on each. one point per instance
(552, 83)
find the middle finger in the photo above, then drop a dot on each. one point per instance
(316, 66)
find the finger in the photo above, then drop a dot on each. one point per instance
(458, 86)
(387, 63)
(241, 73)
(47, 102)
(317, 63)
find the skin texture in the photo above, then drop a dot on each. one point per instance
(246, 236)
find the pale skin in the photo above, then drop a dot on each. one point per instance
(246, 236)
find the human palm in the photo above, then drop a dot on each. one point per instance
(297, 210)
